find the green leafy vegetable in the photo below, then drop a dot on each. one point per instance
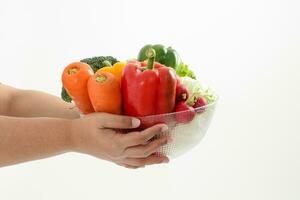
(183, 70)
(209, 95)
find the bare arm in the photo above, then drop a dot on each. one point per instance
(29, 103)
(24, 139)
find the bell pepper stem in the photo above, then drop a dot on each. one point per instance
(150, 53)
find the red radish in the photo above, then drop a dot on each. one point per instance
(201, 101)
(181, 92)
(185, 113)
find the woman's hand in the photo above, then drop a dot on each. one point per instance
(94, 134)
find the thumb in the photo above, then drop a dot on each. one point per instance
(107, 120)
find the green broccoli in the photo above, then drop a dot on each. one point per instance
(95, 63)
(99, 62)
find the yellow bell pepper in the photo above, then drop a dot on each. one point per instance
(116, 69)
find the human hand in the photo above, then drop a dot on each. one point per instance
(95, 134)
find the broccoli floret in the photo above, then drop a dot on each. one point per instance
(65, 96)
(98, 62)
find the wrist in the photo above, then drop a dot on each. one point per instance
(69, 134)
(74, 135)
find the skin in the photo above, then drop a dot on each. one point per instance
(36, 125)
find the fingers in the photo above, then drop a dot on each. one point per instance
(129, 166)
(107, 120)
(142, 162)
(138, 138)
(142, 151)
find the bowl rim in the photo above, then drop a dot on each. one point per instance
(197, 110)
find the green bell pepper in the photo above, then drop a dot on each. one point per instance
(164, 55)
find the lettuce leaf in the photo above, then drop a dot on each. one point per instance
(183, 70)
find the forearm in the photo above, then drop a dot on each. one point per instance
(28, 103)
(24, 139)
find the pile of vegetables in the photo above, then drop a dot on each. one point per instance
(157, 82)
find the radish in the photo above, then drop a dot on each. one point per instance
(201, 101)
(184, 113)
(181, 92)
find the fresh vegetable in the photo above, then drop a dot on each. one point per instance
(157, 82)
(99, 62)
(201, 101)
(181, 92)
(196, 90)
(115, 69)
(148, 90)
(65, 96)
(209, 95)
(105, 92)
(184, 113)
(74, 78)
(183, 70)
(166, 56)
(95, 63)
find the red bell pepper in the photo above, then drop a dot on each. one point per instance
(148, 90)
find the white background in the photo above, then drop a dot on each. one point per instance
(249, 51)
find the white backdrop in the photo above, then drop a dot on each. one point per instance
(248, 50)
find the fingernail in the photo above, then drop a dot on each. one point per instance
(135, 122)
(164, 128)
(166, 160)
